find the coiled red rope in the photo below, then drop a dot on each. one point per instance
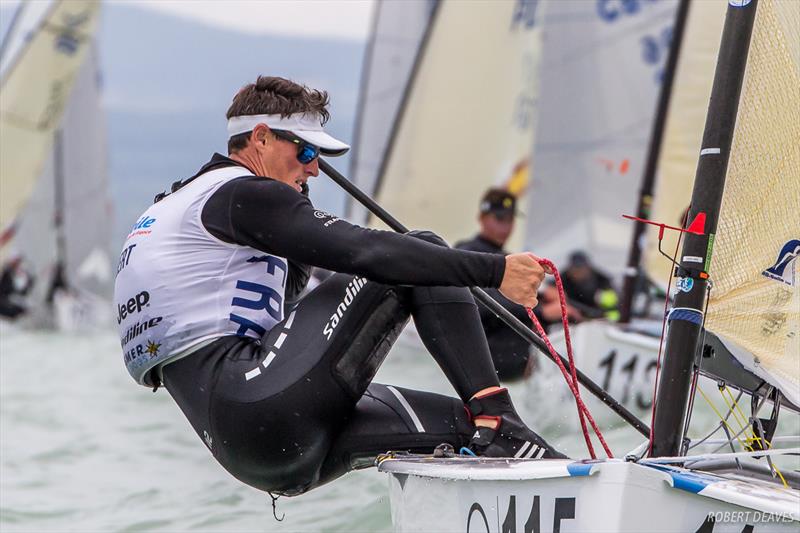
(570, 377)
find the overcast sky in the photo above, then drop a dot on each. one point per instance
(348, 19)
(331, 18)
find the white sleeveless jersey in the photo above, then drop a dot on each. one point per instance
(178, 286)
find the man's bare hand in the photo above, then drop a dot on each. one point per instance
(522, 278)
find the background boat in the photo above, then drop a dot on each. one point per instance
(55, 172)
(604, 64)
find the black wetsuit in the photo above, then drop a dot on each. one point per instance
(313, 414)
(510, 352)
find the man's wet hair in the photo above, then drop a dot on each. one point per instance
(272, 95)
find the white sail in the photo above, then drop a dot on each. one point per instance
(67, 217)
(35, 88)
(683, 132)
(754, 304)
(468, 122)
(398, 32)
(86, 198)
(602, 66)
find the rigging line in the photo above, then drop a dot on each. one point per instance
(774, 441)
(725, 421)
(730, 443)
(736, 437)
(742, 420)
(663, 329)
(704, 439)
(755, 414)
(696, 371)
(690, 410)
(719, 426)
(734, 455)
(773, 468)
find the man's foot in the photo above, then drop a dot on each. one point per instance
(499, 431)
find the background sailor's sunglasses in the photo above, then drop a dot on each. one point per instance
(306, 152)
(503, 216)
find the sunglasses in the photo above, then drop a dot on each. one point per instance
(306, 152)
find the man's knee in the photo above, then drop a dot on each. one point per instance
(438, 295)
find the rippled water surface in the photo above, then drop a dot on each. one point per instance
(82, 448)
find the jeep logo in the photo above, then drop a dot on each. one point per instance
(132, 306)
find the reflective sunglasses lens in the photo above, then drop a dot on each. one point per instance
(307, 154)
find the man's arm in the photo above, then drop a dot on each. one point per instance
(273, 217)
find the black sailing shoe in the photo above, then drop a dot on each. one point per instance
(509, 436)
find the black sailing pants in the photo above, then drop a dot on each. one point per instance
(296, 409)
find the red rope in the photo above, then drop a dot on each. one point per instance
(572, 377)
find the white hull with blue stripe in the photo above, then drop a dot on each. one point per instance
(509, 495)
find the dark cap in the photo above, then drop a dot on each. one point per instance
(499, 202)
(578, 258)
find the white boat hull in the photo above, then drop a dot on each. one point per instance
(504, 496)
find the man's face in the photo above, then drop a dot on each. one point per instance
(497, 227)
(580, 272)
(279, 160)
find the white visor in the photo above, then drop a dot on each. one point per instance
(305, 126)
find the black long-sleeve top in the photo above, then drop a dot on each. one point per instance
(275, 218)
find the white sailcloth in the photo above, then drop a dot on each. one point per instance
(66, 217)
(602, 65)
(683, 132)
(35, 88)
(398, 33)
(468, 122)
(755, 301)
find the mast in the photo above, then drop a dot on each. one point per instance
(686, 317)
(401, 109)
(12, 29)
(58, 197)
(361, 129)
(362, 90)
(633, 269)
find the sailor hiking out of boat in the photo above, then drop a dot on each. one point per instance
(279, 387)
